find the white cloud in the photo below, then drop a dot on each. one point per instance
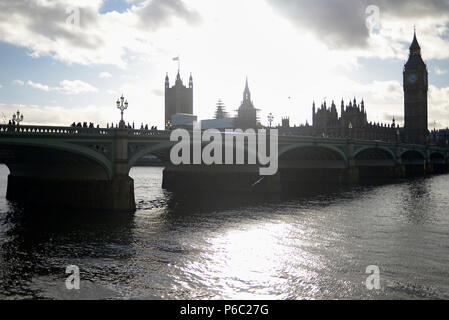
(439, 71)
(342, 24)
(76, 87)
(155, 27)
(105, 38)
(105, 75)
(438, 107)
(280, 60)
(59, 115)
(18, 82)
(66, 87)
(1, 86)
(39, 86)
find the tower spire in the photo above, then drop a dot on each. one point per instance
(415, 53)
(246, 93)
(415, 47)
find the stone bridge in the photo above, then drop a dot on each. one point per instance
(88, 168)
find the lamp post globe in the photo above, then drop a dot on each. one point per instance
(17, 117)
(270, 118)
(122, 105)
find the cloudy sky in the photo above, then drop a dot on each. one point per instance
(63, 60)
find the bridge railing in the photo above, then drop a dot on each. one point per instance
(55, 130)
(24, 129)
(145, 133)
(39, 130)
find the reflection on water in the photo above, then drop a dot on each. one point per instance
(213, 247)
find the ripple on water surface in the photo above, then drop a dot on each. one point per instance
(209, 247)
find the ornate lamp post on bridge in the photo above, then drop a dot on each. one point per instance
(17, 117)
(122, 107)
(270, 118)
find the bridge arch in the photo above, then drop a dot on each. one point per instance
(414, 162)
(437, 155)
(413, 154)
(285, 149)
(146, 151)
(439, 162)
(374, 156)
(56, 158)
(330, 153)
(383, 150)
(167, 146)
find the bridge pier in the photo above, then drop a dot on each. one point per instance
(352, 173)
(399, 171)
(381, 174)
(219, 178)
(312, 180)
(429, 168)
(414, 170)
(115, 195)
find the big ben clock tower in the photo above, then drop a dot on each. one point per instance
(415, 96)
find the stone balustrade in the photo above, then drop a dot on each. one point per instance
(39, 130)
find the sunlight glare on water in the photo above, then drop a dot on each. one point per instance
(177, 246)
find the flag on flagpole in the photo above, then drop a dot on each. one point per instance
(179, 62)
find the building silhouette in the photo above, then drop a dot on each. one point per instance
(246, 113)
(415, 82)
(440, 137)
(178, 99)
(350, 121)
(353, 120)
(220, 112)
(285, 122)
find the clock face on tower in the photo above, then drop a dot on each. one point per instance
(412, 78)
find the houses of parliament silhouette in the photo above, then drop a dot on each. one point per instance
(351, 122)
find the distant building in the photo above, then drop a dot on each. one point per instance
(178, 99)
(247, 113)
(182, 120)
(221, 124)
(353, 122)
(221, 113)
(286, 122)
(440, 137)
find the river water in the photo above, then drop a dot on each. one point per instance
(178, 247)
